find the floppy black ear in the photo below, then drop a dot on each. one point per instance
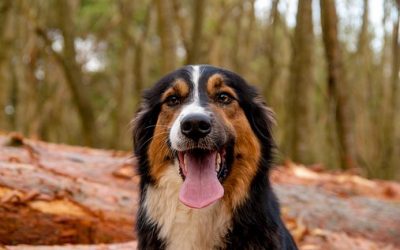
(261, 120)
(143, 128)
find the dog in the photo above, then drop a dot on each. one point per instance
(202, 138)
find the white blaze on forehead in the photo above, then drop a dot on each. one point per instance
(195, 76)
(193, 107)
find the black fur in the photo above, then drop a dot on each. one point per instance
(147, 233)
(256, 224)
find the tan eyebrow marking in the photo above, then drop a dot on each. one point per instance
(216, 84)
(180, 88)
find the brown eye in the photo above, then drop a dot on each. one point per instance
(223, 98)
(173, 100)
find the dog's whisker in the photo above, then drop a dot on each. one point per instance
(157, 125)
(155, 136)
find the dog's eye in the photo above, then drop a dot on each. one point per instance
(173, 100)
(223, 98)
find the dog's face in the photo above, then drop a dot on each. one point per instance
(210, 127)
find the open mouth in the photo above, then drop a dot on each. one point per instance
(202, 172)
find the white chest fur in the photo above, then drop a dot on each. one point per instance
(180, 226)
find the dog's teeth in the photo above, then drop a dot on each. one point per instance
(184, 164)
(218, 165)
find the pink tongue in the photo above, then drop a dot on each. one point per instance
(201, 186)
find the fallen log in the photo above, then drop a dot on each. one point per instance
(56, 194)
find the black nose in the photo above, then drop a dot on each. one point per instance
(196, 126)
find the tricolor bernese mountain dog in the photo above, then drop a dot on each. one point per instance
(202, 138)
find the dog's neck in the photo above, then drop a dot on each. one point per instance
(182, 227)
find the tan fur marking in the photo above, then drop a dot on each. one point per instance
(247, 155)
(247, 152)
(216, 84)
(182, 227)
(159, 154)
(180, 88)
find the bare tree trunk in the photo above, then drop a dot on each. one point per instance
(246, 54)
(181, 23)
(194, 51)
(237, 38)
(167, 38)
(387, 165)
(271, 51)
(364, 62)
(301, 81)
(124, 53)
(130, 67)
(13, 98)
(364, 92)
(138, 77)
(214, 41)
(73, 72)
(363, 40)
(243, 31)
(34, 100)
(5, 7)
(337, 84)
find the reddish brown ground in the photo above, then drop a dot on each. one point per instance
(98, 189)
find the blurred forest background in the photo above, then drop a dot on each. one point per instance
(71, 71)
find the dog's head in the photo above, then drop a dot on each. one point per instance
(211, 127)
